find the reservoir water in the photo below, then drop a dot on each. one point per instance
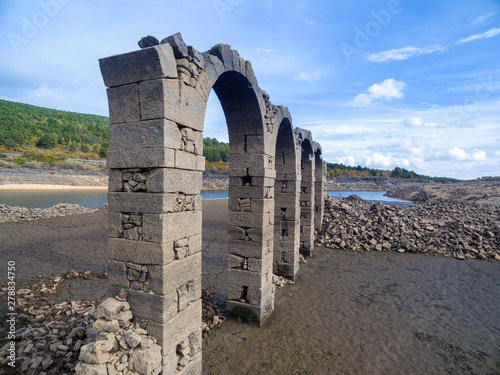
(98, 198)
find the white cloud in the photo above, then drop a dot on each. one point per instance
(414, 121)
(481, 19)
(404, 53)
(496, 153)
(388, 89)
(379, 160)
(457, 153)
(479, 155)
(488, 34)
(346, 160)
(307, 76)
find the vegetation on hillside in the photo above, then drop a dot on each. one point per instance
(341, 170)
(52, 136)
(24, 127)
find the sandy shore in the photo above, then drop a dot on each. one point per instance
(349, 313)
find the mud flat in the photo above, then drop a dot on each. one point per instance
(348, 313)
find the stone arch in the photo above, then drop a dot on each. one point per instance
(157, 100)
(287, 193)
(307, 192)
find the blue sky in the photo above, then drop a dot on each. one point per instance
(414, 84)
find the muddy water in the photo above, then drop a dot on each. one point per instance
(364, 313)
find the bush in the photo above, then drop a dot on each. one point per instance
(20, 161)
(103, 152)
(49, 160)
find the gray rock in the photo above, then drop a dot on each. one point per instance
(148, 41)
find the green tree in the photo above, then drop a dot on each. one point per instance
(47, 141)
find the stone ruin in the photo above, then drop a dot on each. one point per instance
(157, 100)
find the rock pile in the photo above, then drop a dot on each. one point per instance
(461, 230)
(212, 313)
(48, 334)
(14, 213)
(119, 346)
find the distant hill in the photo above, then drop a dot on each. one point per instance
(25, 126)
(341, 170)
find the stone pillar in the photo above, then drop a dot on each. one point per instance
(250, 242)
(307, 195)
(287, 210)
(251, 198)
(155, 218)
(320, 185)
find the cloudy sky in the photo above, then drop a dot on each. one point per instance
(407, 83)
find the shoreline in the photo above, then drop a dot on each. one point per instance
(41, 187)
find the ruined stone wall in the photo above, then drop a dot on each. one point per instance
(157, 100)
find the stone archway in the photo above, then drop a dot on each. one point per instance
(157, 100)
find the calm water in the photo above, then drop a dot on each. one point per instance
(96, 199)
(374, 196)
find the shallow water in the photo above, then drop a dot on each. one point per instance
(97, 199)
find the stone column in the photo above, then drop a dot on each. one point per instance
(287, 210)
(250, 243)
(320, 185)
(307, 199)
(155, 218)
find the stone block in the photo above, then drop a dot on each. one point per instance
(164, 279)
(171, 227)
(123, 102)
(167, 180)
(178, 328)
(191, 108)
(251, 295)
(251, 192)
(144, 134)
(251, 219)
(159, 309)
(151, 203)
(246, 278)
(142, 158)
(159, 98)
(117, 272)
(145, 64)
(115, 181)
(252, 235)
(250, 314)
(189, 293)
(140, 252)
(248, 249)
(187, 161)
(114, 224)
(251, 204)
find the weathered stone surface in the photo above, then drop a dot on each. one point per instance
(178, 45)
(171, 227)
(123, 104)
(170, 180)
(148, 63)
(144, 134)
(148, 41)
